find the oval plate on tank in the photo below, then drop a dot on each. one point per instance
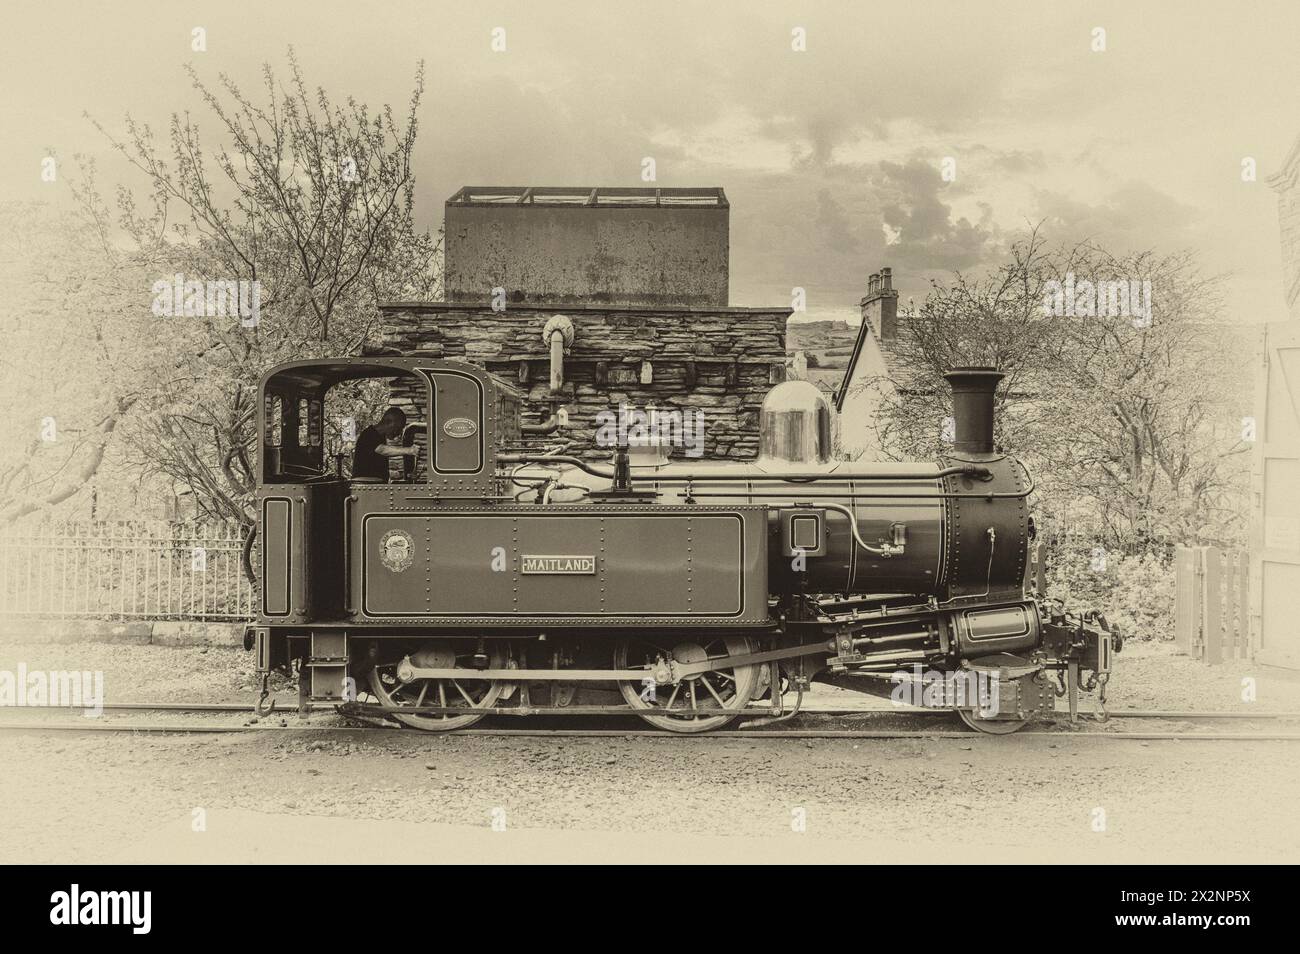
(459, 427)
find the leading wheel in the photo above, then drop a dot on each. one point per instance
(990, 726)
(476, 696)
(727, 690)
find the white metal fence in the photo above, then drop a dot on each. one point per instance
(124, 570)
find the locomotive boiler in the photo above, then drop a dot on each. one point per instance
(503, 575)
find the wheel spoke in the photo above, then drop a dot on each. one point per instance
(713, 692)
(463, 693)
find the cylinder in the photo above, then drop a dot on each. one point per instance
(972, 408)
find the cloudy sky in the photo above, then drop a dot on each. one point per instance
(831, 156)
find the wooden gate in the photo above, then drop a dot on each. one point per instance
(1211, 621)
(1275, 500)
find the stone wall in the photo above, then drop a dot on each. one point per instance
(143, 632)
(721, 361)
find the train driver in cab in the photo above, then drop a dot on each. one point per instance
(372, 453)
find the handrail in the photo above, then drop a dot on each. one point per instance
(963, 470)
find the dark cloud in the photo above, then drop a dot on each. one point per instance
(1018, 160)
(825, 230)
(929, 236)
(833, 224)
(1133, 216)
(1013, 161)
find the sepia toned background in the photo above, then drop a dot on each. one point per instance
(890, 170)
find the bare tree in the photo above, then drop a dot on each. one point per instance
(312, 200)
(68, 327)
(1130, 420)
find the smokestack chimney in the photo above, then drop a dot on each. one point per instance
(972, 408)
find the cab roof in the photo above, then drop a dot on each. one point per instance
(323, 373)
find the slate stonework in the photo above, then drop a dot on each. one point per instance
(722, 361)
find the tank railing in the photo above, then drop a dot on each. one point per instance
(963, 470)
(782, 494)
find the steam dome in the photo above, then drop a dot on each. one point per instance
(795, 424)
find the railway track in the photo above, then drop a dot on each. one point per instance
(289, 706)
(289, 721)
(756, 711)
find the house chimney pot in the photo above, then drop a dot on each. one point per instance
(880, 306)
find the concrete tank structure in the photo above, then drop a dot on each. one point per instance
(594, 246)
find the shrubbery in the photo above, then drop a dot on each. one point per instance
(1137, 592)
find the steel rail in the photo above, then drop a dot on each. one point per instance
(291, 706)
(38, 725)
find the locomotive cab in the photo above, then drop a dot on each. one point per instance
(308, 428)
(309, 417)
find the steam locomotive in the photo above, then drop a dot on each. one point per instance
(501, 575)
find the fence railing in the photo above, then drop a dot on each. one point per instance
(1211, 603)
(124, 570)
